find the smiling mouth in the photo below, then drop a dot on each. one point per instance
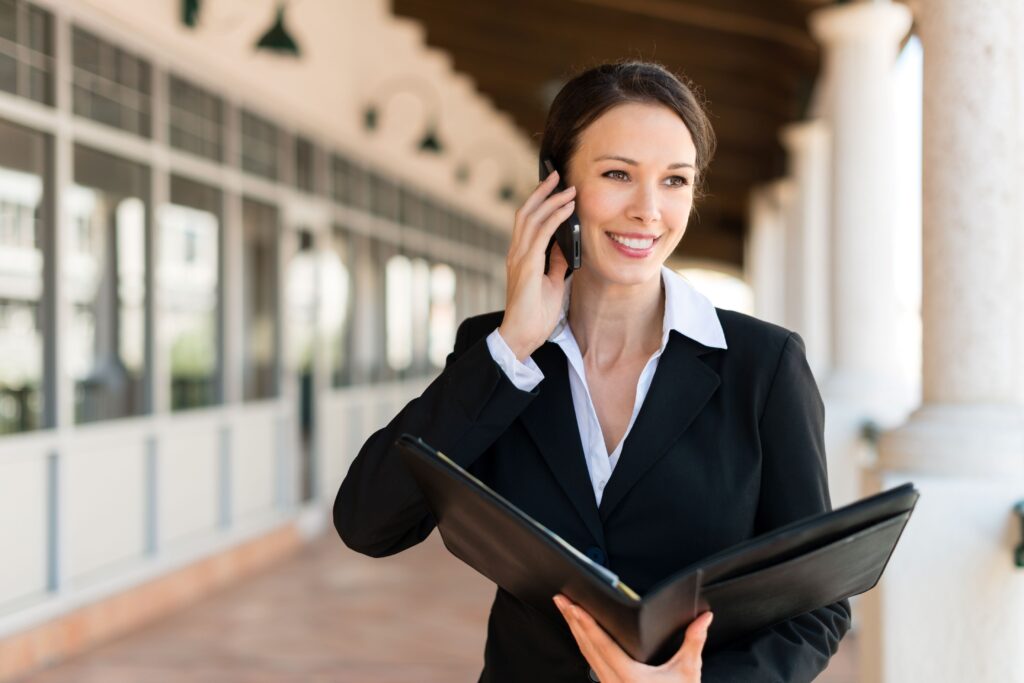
(637, 243)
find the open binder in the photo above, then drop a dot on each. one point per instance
(776, 576)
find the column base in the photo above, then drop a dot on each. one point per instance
(950, 606)
(856, 406)
(960, 440)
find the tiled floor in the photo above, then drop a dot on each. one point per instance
(326, 615)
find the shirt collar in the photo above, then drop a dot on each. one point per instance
(687, 311)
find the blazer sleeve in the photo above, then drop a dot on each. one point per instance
(794, 485)
(379, 510)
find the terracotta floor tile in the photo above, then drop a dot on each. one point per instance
(327, 615)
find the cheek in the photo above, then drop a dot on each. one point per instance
(677, 214)
(595, 207)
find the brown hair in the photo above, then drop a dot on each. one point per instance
(594, 91)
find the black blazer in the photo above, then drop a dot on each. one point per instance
(728, 444)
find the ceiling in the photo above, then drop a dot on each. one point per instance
(754, 60)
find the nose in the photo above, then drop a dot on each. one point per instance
(644, 204)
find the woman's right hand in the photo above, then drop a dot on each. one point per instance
(533, 299)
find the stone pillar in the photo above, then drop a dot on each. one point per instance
(859, 43)
(951, 604)
(766, 251)
(807, 239)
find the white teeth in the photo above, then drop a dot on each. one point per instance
(633, 243)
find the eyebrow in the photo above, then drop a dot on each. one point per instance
(631, 162)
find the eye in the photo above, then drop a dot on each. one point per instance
(678, 181)
(617, 175)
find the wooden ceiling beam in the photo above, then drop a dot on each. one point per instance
(608, 33)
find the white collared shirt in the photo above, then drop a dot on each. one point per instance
(687, 311)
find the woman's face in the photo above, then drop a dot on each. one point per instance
(634, 171)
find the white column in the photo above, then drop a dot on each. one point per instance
(860, 43)
(807, 240)
(765, 255)
(951, 605)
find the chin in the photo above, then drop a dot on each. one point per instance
(623, 273)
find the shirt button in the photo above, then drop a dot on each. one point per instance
(601, 483)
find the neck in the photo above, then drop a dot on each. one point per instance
(612, 321)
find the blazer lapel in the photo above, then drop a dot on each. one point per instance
(681, 387)
(551, 421)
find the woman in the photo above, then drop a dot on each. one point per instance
(617, 407)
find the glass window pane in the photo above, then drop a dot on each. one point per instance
(385, 198)
(189, 279)
(8, 21)
(26, 50)
(260, 140)
(360, 192)
(300, 287)
(399, 312)
(419, 295)
(259, 281)
(8, 73)
(106, 275)
(111, 86)
(336, 293)
(443, 322)
(196, 120)
(340, 179)
(23, 159)
(305, 165)
(368, 328)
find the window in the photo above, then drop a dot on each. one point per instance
(410, 209)
(368, 317)
(26, 51)
(305, 165)
(443, 322)
(337, 306)
(24, 157)
(260, 300)
(189, 279)
(260, 139)
(106, 279)
(111, 86)
(419, 296)
(196, 119)
(399, 310)
(300, 284)
(349, 183)
(385, 198)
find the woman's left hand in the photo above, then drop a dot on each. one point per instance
(613, 665)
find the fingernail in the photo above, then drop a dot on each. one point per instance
(558, 600)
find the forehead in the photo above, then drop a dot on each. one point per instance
(649, 133)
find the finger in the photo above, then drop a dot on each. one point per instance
(613, 658)
(547, 229)
(689, 655)
(540, 215)
(587, 648)
(539, 193)
(557, 265)
(534, 223)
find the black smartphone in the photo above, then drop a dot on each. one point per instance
(567, 235)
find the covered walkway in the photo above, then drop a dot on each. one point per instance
(326, 614)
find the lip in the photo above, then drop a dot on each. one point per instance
(628, 251)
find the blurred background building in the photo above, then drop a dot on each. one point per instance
(236, 236)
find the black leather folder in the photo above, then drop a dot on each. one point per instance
(789, 571)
